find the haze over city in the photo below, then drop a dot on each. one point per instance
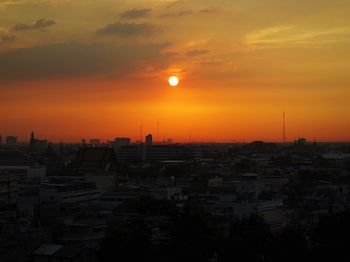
(97, 69)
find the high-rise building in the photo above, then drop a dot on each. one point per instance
(11, 140)
(149, 139)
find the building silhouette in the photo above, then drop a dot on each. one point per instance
(96, 160)
(95, 142)
(156, 152)
(11, 140)
(122, 141)
(149, 139)
(37, 144)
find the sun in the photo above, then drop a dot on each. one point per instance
(173, 81)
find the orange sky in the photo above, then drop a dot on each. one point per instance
(96, 69)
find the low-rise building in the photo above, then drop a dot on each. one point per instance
(8, 195)
(80, 192)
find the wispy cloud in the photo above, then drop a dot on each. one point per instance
(291, 36)
(7, 3)
(194, 53)
(267, 35)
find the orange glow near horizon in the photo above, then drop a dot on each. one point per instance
(79, 111)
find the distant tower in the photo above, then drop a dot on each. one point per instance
(158, 141)
(284, 128)
(32, 141)
(141, 132)
(190, 135)
(149, 139)
(61, 147)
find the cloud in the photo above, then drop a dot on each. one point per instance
(267, 34)
(128, 29)
(39, 24)
(171, 53)
(177, 14)
(291, 36)
(175, 3)
(208, 11)
(189, 12)
(136, 13)
(7, 3)
(194, 53)
(75, 59)
(210, 63)
(7, 39)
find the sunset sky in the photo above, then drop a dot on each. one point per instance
(98, 68)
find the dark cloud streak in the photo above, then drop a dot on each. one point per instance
(39, 24)
(188, 12)
(136, 13)
(73, 60)
(177, 14)
(7, 39)
(194, 53)
(208, 11)
(128, 29)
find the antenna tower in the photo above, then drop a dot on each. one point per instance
(284, 128)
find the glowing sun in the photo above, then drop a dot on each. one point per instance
(173, 81)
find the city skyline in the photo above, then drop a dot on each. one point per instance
(96, 69)
(163, 139)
